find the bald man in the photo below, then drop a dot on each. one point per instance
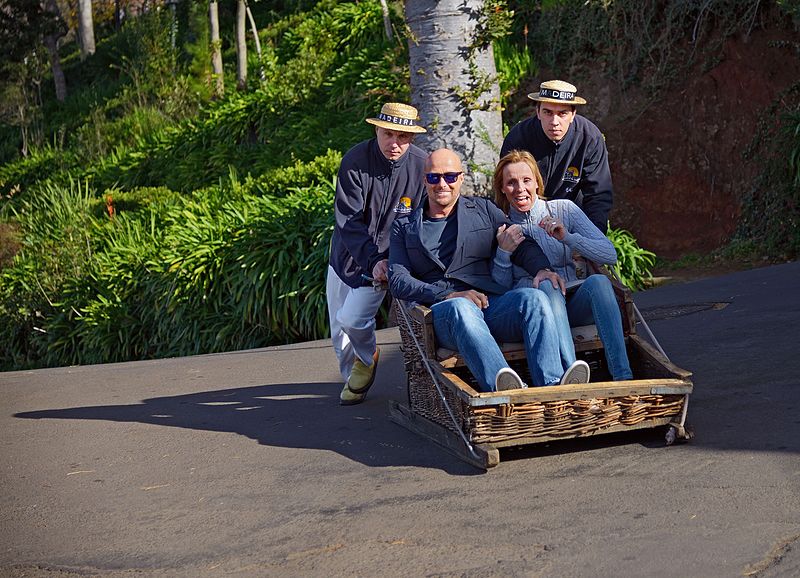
(443, 256)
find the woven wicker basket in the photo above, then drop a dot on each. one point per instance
(445, 405)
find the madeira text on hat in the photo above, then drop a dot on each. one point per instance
(557, 91)
(398, 116)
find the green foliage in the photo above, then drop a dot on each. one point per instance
(514, 65)
(298, 112)
(791, 8)
(278, 182)
(54, 233)
(494, 23)
(212, 261)
(168, 275)
(41, 165)
(634, 264)
(647, 43)
(769, 225)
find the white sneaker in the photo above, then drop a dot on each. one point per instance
(578, 372)
(507, 379)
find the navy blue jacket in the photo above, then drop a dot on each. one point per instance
(370, 192)
(416, 275)
(575, 168)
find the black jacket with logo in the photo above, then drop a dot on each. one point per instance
(371, 191)
(575, 168)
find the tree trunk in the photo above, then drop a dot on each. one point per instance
(454, 85)
(387, 23)
(86, 28)
(216, 50)
(51, 43)
(241, 45)
(256, 41)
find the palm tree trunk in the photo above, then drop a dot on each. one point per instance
(454, 85)
(241, 45)
(86, 28)
(387, 23)
(51, 44)
(216, 49)
(60, 82)
(256, 41)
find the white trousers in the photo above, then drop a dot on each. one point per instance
(352, 317)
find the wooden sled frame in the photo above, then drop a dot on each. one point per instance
(445, 406)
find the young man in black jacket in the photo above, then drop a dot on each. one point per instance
(569, 149)
(379, 179)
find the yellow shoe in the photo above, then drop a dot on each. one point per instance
(347, 397)
(362, 376)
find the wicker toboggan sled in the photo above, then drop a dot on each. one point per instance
(445, 406)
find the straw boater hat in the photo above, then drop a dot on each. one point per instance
(397, 116)
(557, 91)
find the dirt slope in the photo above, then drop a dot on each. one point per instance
(679, 174)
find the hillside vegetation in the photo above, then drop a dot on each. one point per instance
(148, 220)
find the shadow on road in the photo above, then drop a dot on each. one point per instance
(742, 352)
(294, 415)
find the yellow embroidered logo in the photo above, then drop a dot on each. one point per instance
(403, 205)
(572, 174)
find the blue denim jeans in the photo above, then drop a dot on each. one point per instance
(519, 315)
(592, 302)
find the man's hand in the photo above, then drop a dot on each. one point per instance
(380, 271)
(509, 238)
(553, 277)
(478, 298)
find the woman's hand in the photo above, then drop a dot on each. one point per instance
(509, 238)
(553, 227)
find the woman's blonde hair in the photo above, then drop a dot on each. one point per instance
(510, 159)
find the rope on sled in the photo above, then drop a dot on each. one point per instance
(426, 363)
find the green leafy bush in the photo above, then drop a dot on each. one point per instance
(278, 182)
(41, 165)
(514, 66)
(646, 43)
(54, 231)
(634, 265)
(173, 275)
(770, 222)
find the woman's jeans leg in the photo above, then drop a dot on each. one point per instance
(594, 301)
(559, 306)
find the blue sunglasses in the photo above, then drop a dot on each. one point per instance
(434, 178)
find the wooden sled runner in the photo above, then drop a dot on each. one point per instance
(445, 406)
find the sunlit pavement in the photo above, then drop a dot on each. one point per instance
(244, 464)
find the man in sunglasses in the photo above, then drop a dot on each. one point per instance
(569, 149)
(443, 256)
(379, 179)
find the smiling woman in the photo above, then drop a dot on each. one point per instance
(569, 239)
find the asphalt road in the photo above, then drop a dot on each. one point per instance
(243, 464)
